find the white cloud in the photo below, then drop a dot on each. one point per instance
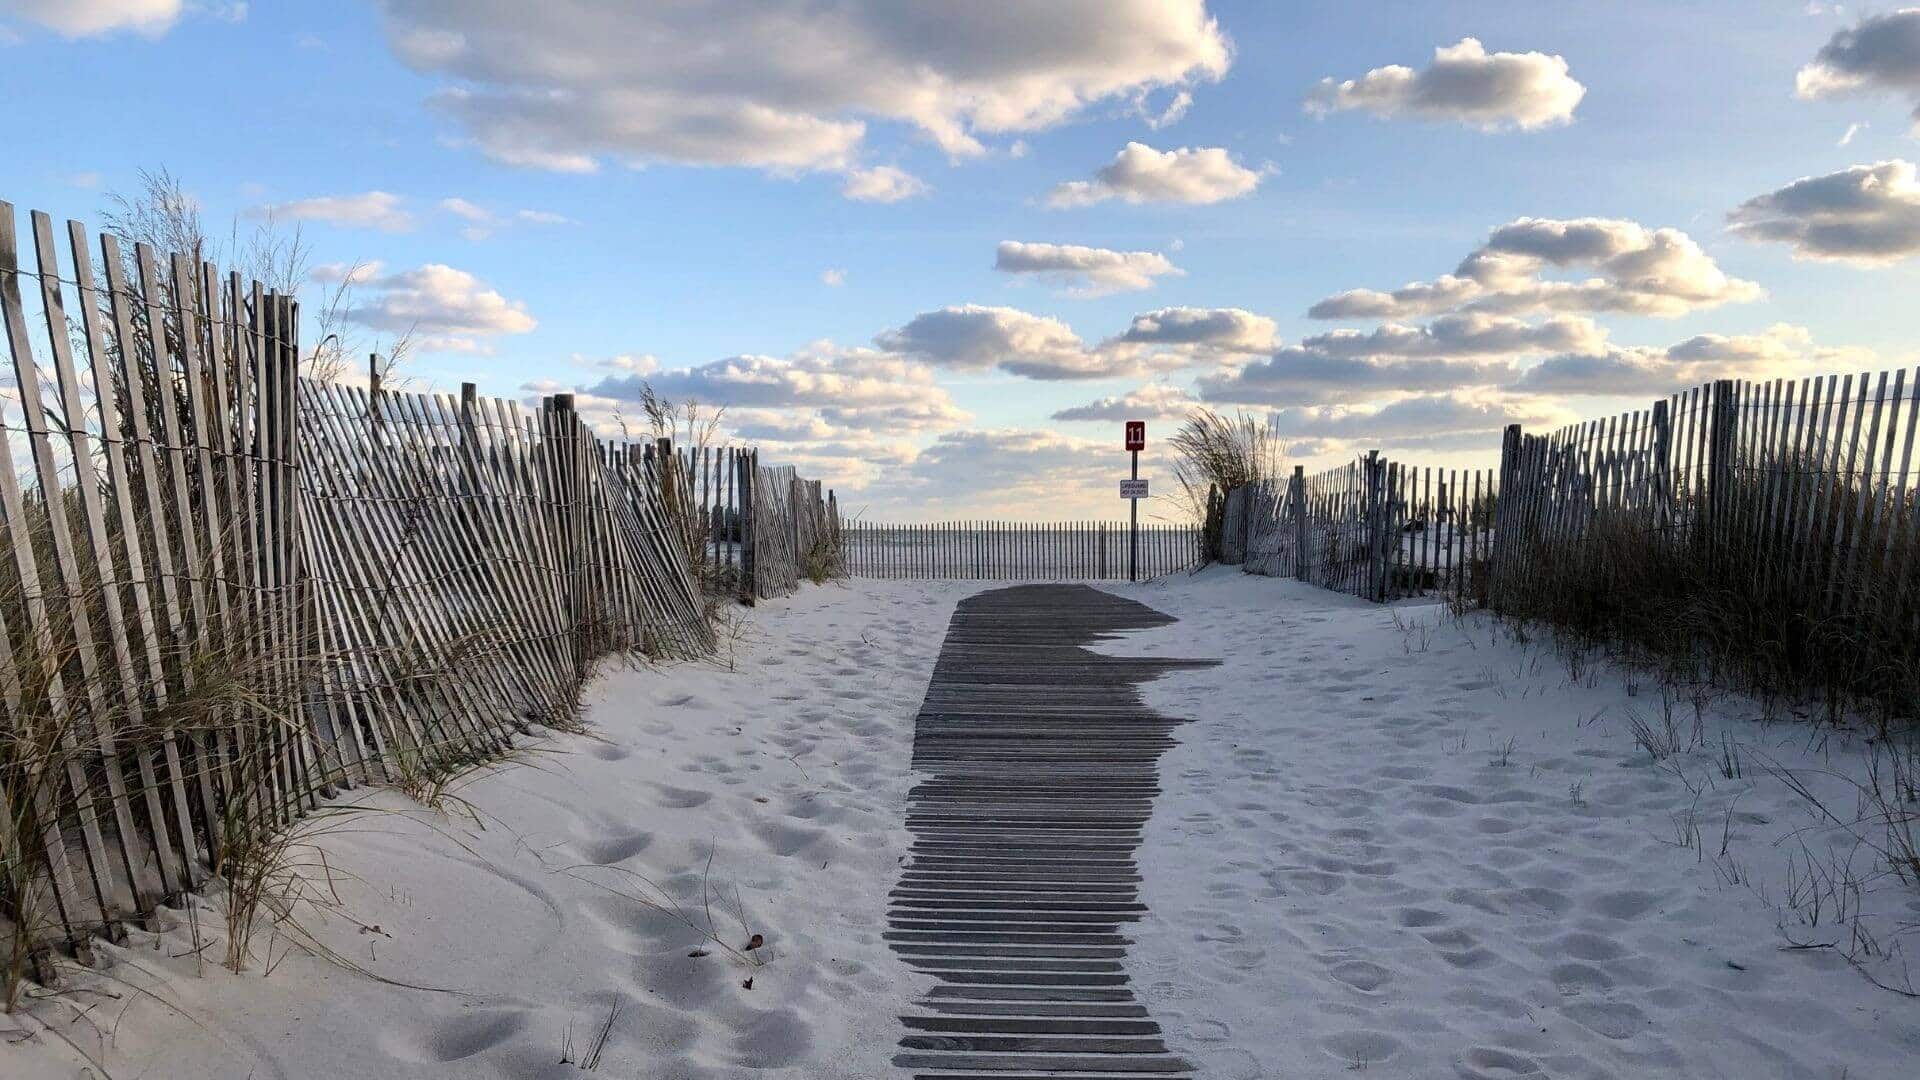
(1012, 466)
(1207, 330)
(635, 364)
(1867, 214)
(1641, 271)
(976, 338)
(470, 211)
(972, 337)
(1454, 352)
(85, 18)
(1084, 271)
(1298, 375)
(1880, 53)
(368, 210)
(543, 217)
(1418, 416)
(347, 273)
(843, 414)
(833, 278)
(1466, 84)
(785, 87)
(446, 309)
(1781, 351)
(1155, 401)
(1463, 335)
(857, 387)
(882, 184)
(1852, 130)
(1139, 174)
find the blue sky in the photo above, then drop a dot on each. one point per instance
(697, 238)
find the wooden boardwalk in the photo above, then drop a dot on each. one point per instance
(1042, 765)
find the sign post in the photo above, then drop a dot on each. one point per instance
(1133, 492)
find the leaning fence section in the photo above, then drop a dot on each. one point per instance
(1375, 528)
(227, 590)
(1015, 551)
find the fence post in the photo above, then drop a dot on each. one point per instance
(1297, 495)
(745, 464)
(1723, 429)
(1506, 517)
(1372, 511)
(562, 459)
(1661, 497)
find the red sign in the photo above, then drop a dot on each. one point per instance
(1136, 434)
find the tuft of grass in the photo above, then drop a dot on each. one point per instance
(1213, 455)
(1809, 611)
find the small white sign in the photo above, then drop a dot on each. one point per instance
(1133, 489)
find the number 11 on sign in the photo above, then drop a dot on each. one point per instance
(1133, 491)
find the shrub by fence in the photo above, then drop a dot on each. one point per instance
(227, 589)
(757, 529)
(1375, 528)
(1061, 551)
(1757, 531)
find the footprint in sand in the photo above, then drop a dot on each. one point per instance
(1625, 904)
(610, 849)
(676, 798)
(462, 1036)
(1572, 980)
(1414, 917)
(1493, 1063)
(1613, 1019)
(1362, 975)
(1361, 1048)
(607, 751)
(771, 1039)
(787, 839)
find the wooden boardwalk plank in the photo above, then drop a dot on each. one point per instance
(1042, 765)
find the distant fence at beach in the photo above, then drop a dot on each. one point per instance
(227, 590)
(1375, 528)
(1025, 551)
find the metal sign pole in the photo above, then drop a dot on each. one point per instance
(1133, 527)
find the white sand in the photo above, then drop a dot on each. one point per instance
(789, 771)
(1339, 878)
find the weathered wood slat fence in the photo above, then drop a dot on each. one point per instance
(1017, 551)
(1780, 514)
(1809, 483)
(1769, 527)
(1375, 528)
(228, 589)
